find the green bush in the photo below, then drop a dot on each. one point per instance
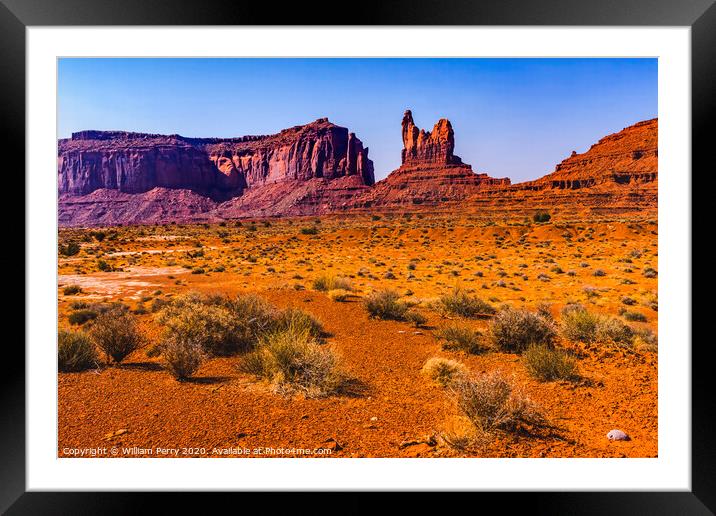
(293, 361)
(386, 304)
(514, 330)
(546, 364)
(460, 338)
(309, 230)
(461, 304)
(541, 217)
(70, 249)
(75, 351)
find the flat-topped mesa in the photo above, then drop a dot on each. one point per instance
(221, 167)
(434, 147)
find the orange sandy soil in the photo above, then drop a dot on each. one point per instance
(393, 410)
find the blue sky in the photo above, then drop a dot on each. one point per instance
(512, 117)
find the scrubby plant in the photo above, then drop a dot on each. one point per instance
(82, 316)
(309, 230)
(634, 316)
(386, 304)
(613, 331)
(415, 317)
(182, 357)
(443, 371)
(71, 290)
(325, 283)
(292, 360)
(492, 402)
(541, 217)
(338, 294)
(579, 324)
(460, 338)
(459, 303)
(69, 249)
(547, 364)
(115, 332)
(513, 330)
(298, 321)
(75, 351)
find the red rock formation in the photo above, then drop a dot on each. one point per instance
(430, 173)
(221, 168)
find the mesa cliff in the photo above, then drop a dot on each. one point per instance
(115, 177)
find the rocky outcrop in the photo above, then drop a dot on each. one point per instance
(430, 173)
(627, 158)
(220, 168)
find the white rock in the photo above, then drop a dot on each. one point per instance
(617, 435)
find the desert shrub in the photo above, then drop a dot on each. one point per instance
(460, 338)
(386, 304)
(81, 316)
(104, 266)
(613, 331)
(649, 272)
(298, 321)
(645, 340)
(325, 283)
(70, 249)
(182, 358)
(292, 360)
(458, 302)
(309, 230)
(634, 316)
(416, 318)
(71, 290)
(115, 333)
(579, 324)
(514, 330)
(443, 371)
(548, 364)
(338, 294)
(541, 217)
(491, 402)
(75, 351)
(218, 324)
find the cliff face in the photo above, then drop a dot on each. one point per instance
(434, 147)
(221, 168)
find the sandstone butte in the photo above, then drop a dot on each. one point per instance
(113, 177)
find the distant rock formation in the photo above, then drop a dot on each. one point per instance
(219, 168)
(430, 173)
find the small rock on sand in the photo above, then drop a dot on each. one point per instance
(617, 435)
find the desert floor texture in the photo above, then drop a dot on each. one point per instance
(391, 409)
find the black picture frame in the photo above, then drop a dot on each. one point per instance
(16, 15)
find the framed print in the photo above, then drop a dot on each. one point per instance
(427, 250)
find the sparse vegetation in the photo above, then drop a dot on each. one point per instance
(115, 333)
(182, 357)
(547, 364)
(443, 371)
(459, 303)
(292, 360)
(326, 283)
(514, 330)
(75, 351)
(72, 290)
(386, 304)
(461, 338)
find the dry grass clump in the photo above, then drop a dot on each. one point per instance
(547, 364)
(182, 357)
(579, 324)
(386, 304)
(461, 304)
(491, 402)
(326, 283)
(338, 294)
(459, 433)
(71, 290)
(514, 330)
(461, 338)
(443, 371)
(296, 319)
(294, 361)
(75, 352)
(115, 332)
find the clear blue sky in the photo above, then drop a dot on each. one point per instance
(512, 117)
